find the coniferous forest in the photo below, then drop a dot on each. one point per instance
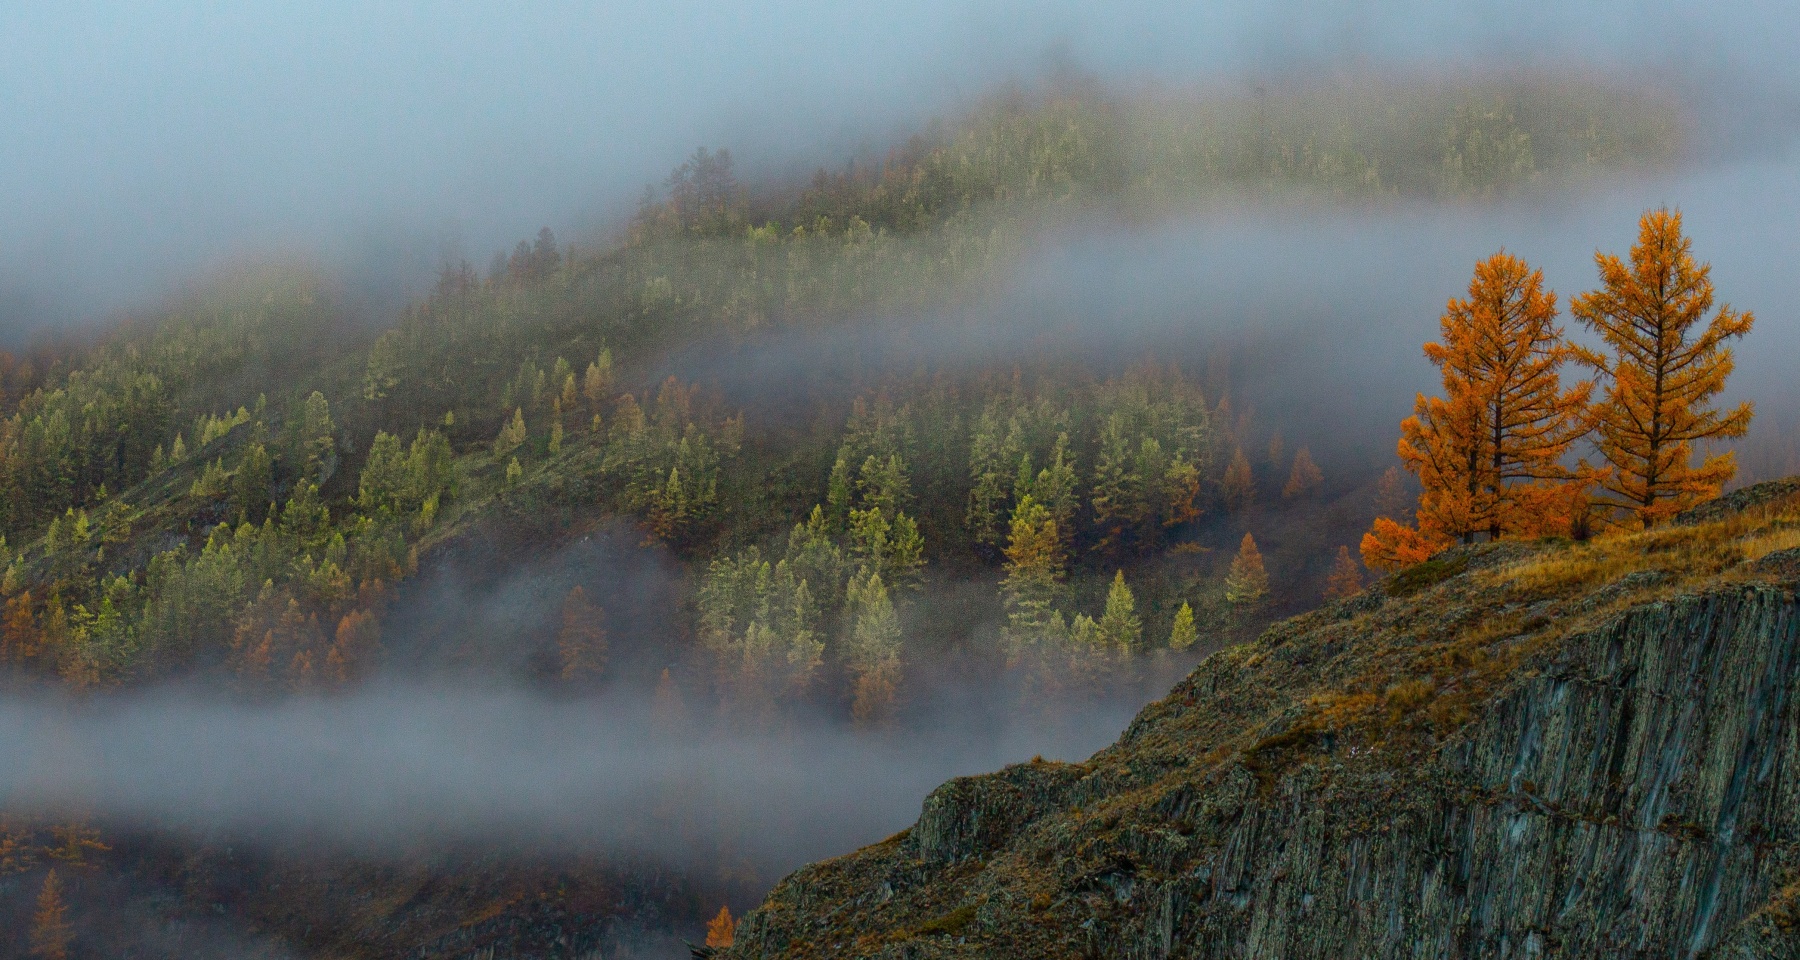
(765, 459)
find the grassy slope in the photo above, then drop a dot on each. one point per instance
(1365, 693)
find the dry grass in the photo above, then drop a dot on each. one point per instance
(1433, 683)
(1773, 541)
(1687, 552)
(1407, 696)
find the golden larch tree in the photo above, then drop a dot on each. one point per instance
(1490, 452)
(17, 853)
(1247, 582)
(581, 647)
(721, 931)
(1304, 478)
(1668, 363)
(50, 931)
(1237, 488)
(19, 630)
(1346, 579)
(301, 675)
(1391, 545)
(1035, 569)
(1392, 499)
(354, 646)
(873, 650)
(74, 841)
(511, 436)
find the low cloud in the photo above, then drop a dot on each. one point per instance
(398, 767)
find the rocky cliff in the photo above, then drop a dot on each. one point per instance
(1513, 750)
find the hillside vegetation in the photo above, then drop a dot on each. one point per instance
(1541, 749)
(237, 493)
(249, 472)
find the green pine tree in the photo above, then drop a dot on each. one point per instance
(511, 436)
(1120, 627)
(1183, 635)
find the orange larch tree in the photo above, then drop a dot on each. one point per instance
(1346, 579)
(1663, 373)
(1237, 488)
(355, 643)
(50, 932)
(1490, 452)
(1305, 478)
(1392, 500)
(1247, 581)
(581, 645)
(721, 931)
(19, 634)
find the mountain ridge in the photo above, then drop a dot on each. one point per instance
(1515, 750)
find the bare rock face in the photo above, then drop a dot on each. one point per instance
(973, 816)
(1500, 763)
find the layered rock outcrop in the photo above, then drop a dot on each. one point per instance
(1514, 751)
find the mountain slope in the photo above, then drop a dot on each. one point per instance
(1510, 751)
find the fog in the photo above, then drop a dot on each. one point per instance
(147, 144)
(457, 741)
(1314, 316)
(1324, 312)
(403, 767)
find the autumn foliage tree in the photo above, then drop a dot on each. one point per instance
(355, 644)
(1490, 452)
(50, 931)
(1391, 497)
(721, 931)
(1035, 568)
(1247, 582)
(1345, 579)
(1668, 362)
(19, 634)
(1304, 478)
(581, 646)
(1237, 488)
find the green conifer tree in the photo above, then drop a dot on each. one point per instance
(1120, 627)
(1182, 634)
(838, 494)
(874, 648)
(1035, 568)
(250, 485)
(511, 436)
(316, 429)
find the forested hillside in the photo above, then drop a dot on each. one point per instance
(237, 493)
(238, 483)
